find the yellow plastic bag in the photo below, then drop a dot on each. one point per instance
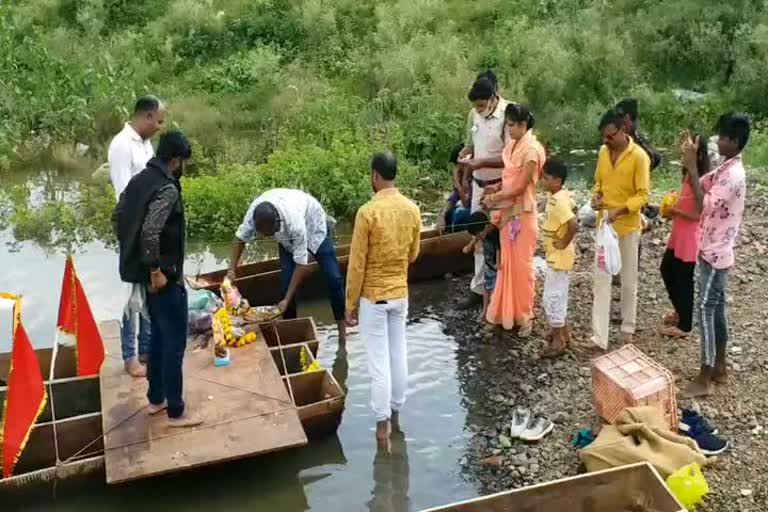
(667, 202)
(688, 485)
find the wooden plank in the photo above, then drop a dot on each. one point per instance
(246, 408)
(603, 491)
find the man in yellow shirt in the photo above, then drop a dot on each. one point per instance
(385, 241)
(622, 183)
(559, 228)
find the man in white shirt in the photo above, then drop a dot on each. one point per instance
(299, 223)
(128, 154)
(483, 158)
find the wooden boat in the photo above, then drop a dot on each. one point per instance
(632, 487)
(260, 282)
(67, 440)
(69, 428)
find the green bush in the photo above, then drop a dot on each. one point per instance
(339, 177)
(299, 92)
(241, 72)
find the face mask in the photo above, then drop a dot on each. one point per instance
(489, 109)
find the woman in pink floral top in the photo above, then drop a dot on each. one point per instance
(679, 261)
(720, 200)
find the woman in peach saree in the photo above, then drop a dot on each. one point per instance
(513, 205)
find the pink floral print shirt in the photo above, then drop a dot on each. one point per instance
(724, 193)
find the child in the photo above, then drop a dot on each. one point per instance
(457, 207)
(558, 231)
(484, 232)
(679, 261)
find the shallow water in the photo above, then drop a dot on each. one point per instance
(345, 472)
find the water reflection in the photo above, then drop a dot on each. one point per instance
(340, 367)
(341, 472)
(391, 476)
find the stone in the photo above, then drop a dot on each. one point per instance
(560, 417)
(746, 492)
(505, 442)
(493, 461)
(519, 460)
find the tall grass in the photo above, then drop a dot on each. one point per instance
(289, 91)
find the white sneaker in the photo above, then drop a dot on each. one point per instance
(521, 417)
(537, 429)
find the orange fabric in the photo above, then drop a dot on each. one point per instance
(25, 398)
(512, 300)
(76, 318)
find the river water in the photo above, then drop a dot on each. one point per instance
(344, 472)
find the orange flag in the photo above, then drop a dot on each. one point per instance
(76, 320)
(25, 398)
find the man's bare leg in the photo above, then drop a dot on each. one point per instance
(342, 326)
(394, 421)
(382, 431)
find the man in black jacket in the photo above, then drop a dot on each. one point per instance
(149, 222)
(628, 109)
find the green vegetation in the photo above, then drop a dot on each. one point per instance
(299, 92)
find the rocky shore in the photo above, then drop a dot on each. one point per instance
(502, 373)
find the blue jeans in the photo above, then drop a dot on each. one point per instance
(168, 312)
(326, 258)
(710, 303)
(128, 336)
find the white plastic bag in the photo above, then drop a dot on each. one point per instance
(608, 254)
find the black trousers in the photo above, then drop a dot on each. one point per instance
(168, 313)
(678, 279)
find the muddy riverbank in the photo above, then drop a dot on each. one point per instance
(500, 374)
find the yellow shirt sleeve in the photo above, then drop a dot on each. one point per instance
(598, 187)
(416, 243)
(358, 255)
(642, 179)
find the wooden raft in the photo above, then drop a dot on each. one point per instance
(245, 405)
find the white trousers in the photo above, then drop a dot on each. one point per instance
(478, 278)
(382, 327)
(555, 297)
(601, 306)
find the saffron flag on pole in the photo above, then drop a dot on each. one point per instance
(77, 324)
(25, 396)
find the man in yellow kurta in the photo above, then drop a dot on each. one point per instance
(622, 184)
(385, 241)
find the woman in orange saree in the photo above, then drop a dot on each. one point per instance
(513, 203)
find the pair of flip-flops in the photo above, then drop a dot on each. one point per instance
(528, 427)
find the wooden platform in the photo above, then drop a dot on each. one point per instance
(246, 408)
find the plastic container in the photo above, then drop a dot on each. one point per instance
(688, 485)
(628, 378)
(221, 361)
